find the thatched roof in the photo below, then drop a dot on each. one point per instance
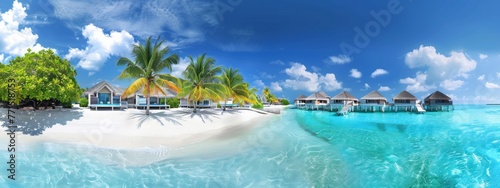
(437, 96)
(318, 96)
(301, 97)
(405, 95)
(344, 95)
(374, 95)
(101, 85)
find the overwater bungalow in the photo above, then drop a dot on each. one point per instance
(373, 101)
(300, 101)
(343, 99)
(405, 101)
(318, 100)
(438, 101)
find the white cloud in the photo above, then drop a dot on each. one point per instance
(91, 73)
(13, 39)
(259, 83)
(355, 73)
(266, 75)
(1, 58)
(179, 68)
(490, 85)
(182, 20)
(100, 47)
(417, 84)
(451, 84)
(367, 86)
(301, 79)
(483, 56)
(384, 88)
(278, 62)
(437, 69)
(498, 74)
(408, 81)
(481, 77)
(340, 59)
(275, 86)
(315, 69)
(330, 82)
(379, 72)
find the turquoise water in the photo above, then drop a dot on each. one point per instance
(297, 149)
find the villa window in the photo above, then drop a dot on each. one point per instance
(104, 98)
(116, 99)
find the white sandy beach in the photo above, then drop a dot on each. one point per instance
(131, 128)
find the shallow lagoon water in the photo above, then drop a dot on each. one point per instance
(297, 149)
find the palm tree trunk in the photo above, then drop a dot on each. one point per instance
(225, 103)
(194, 108)
(147, 98)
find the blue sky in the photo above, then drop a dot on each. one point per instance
(291, 46)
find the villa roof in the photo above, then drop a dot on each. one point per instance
(169, 93)
(374, 95)
(405, 95)
(438, 95)
(101, 85)
(344, 95)
(318, 95)
(301, 97)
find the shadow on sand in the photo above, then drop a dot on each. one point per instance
(176, 116)
(36, 122)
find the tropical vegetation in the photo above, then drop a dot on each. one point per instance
(41, 79)
(201, 81)
(150, 60)
(234, 87)
(266, 92)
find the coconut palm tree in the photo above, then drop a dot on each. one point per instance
(234, 87)
(150, 60)
(202, 81)
(266, 92)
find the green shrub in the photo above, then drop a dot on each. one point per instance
(84, 102)
(173, 102)
(285, 102)
(218, 105)
(67, 105)
(258, 106)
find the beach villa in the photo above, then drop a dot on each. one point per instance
(405, 101)
(105, 95)
(206, 103)
(156, 100)
(318, 100)
(373, 101)
(343, 99)
(438, 101)
(300, 101)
